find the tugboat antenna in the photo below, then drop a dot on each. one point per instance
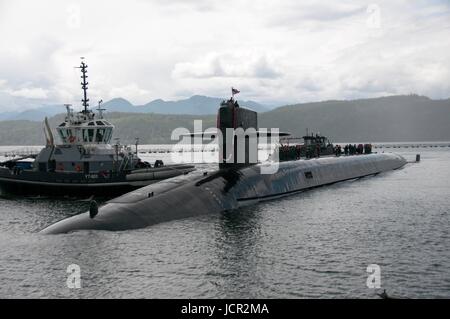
(69, 115)
(84, 85)
(99, 109)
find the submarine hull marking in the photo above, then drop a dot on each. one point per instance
(190, 195)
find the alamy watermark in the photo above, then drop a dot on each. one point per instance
(74, 278)
(374, 278)
(234, 146)
(73, 16)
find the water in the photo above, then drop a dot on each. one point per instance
(314, 245)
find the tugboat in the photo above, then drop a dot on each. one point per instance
(84, 163)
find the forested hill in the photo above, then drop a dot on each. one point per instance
(386, 119)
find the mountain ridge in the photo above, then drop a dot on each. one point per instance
(195, 105)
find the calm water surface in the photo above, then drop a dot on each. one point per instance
(313, 245)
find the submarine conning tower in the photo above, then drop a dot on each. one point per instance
(239, 126)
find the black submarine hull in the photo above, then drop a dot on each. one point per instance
(222, 190)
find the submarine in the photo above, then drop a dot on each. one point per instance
(239, 181)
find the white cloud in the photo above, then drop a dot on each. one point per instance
(24, 92)
(230, 64)
(284, 50)
(30, 93)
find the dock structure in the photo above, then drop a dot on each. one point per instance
(21, 152)
(32, 151)
(407, 145)
(412, 145)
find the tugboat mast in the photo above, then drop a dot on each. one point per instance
(84, 85)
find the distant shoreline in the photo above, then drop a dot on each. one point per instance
(163, 145)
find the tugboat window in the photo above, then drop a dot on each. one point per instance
(108, 135)
(100, 135)
(62, 135)
(308, 175)
(85, 135)
(91, 134)
(65, 134)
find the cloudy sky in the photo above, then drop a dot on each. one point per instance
(274, 51)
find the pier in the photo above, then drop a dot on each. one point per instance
(22, 151)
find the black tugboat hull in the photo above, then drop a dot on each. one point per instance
(22, 188)
(31, 183)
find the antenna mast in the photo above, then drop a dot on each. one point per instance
(100, 110)
(84, 84)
